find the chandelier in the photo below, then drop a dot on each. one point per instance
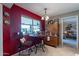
(45, 17)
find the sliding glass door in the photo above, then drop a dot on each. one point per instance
(69, 33)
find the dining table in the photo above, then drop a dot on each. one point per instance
(36, 41)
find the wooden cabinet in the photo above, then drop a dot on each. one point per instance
(54, 41)
(54, 38)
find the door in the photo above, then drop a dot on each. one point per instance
(69, 33)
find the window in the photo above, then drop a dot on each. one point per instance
(29, 26)
(36, 26)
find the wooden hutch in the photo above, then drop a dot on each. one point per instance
(52, 28)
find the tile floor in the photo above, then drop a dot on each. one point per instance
(51, 51)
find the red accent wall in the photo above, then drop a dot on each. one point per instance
(16, 13)
(21, 11)
(6, 33)
(11, 44)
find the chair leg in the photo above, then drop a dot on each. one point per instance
(43, 48)
(35, 49)
(29, 51)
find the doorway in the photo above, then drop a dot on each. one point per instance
(69, 31)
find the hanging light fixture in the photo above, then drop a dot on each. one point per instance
(45, 17)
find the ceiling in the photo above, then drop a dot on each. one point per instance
(52, 8)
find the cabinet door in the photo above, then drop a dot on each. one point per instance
(53, 27)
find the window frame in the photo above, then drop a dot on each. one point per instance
(31, 25)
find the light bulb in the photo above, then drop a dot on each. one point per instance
(42, 18)
(46, 18)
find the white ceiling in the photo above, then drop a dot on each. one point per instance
(53, 8)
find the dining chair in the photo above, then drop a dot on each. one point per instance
(25, 43)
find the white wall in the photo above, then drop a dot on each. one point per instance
(1, 32)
